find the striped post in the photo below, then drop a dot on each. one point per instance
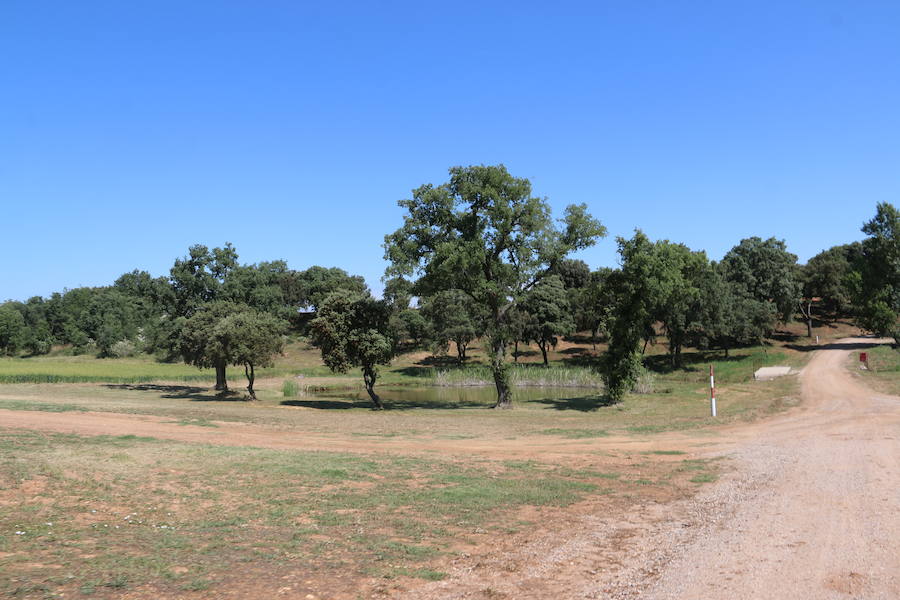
(712, 390)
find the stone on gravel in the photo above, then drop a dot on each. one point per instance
(767, 373)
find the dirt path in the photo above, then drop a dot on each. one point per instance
(812, 511)
(826, 522)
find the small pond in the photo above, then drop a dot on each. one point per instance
(405, 398)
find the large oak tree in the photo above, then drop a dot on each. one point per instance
(353, 329)
(484, 233)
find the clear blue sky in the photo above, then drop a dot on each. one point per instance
(131, 130)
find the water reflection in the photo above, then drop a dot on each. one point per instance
(407, 398)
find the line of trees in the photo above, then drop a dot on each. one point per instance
(211, 311)
(477, 257)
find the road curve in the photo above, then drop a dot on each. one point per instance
(827, 522)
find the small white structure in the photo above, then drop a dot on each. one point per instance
(768, 373)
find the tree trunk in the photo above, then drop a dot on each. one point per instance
(594, 339)
(809, 326)
(543, 346)
(807, 315)
(221, 382)
(461, 351)
(251, 377)
(516, 351)
(369, 377)
(501, 375)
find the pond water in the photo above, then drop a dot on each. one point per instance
(453, 397)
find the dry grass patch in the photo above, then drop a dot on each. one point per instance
(96, 515)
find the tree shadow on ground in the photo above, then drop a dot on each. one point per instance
(579, 403)
(585, 359)
(839, 346)
(181, 392)
(442, 360)
(325, 404)
(433, 404)
(389, 403)
(662, 363)
(784, 336)
(582, 338)
(414, 371)
(575, 350)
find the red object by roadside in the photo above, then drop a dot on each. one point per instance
(863, 357)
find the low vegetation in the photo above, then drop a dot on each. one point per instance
(95, 514)
(884, 367)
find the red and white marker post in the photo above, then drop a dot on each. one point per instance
(712, 390)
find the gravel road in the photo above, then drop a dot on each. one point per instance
(811, 511)
(820, 517)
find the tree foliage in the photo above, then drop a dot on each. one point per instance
(483, 233)
(593, 304)
(633, 290)
(763, 270)
(317, 283)
(825, 276)
(353, 330)
(549, 316)
(252, 339)
(877, 286)
(453, 317)
(12, 330)
(224, 332)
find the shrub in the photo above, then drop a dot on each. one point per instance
(123, 349)
(290, 389)
(645, 383)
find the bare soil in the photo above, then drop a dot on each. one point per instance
(810, 510)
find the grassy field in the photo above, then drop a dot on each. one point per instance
(118, 514)
(672, 398)
(572, 365)
(677, 401)
(93, 516)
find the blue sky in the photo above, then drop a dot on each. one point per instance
(129, 131)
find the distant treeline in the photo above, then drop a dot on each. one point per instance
(141, 313)
(481, 257)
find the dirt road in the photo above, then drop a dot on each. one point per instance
(825, 522)
(812, 511)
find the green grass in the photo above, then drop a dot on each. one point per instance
(290, 389)
(140, 508)
(88, 369)
(416, 408)
(519, 375)
(40, 406)
(885, 368)
(701, 470)
(574, 434)
(194, 422)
